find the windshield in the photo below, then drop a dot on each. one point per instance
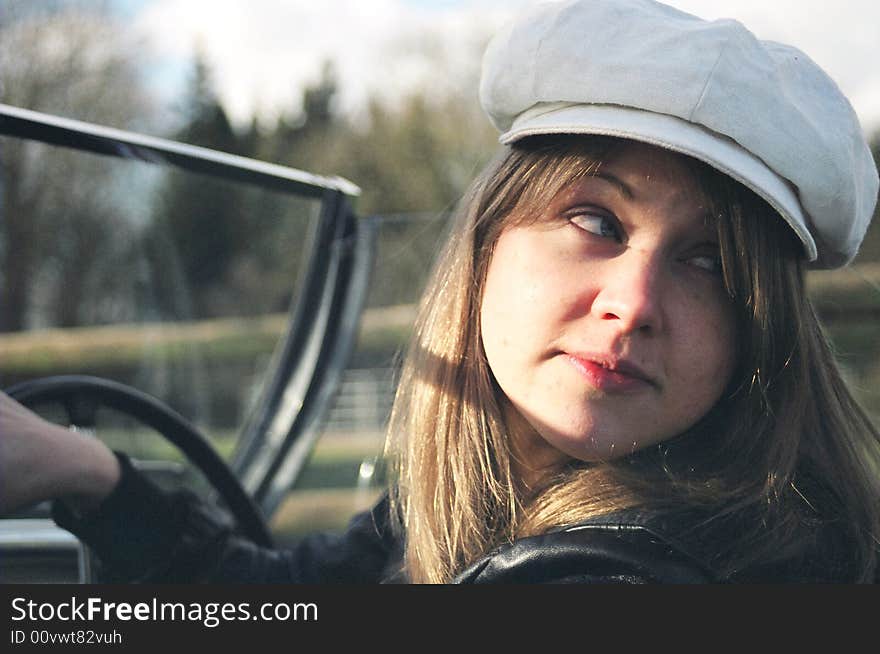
(177, 283)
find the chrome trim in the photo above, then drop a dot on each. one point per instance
(338, 344)
(316, 350)
(35, 533)
(41, 537)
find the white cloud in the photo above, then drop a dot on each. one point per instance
(264, 51)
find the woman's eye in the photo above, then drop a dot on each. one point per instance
(597, 224)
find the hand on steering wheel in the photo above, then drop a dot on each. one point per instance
(82, 395)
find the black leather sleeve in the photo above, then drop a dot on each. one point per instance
(143, 534)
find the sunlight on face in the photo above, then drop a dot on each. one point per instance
(605, 321)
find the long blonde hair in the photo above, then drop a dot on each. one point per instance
(785, 462)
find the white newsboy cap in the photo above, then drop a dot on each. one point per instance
(759, 111)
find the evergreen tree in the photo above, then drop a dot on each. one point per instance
(203, 221)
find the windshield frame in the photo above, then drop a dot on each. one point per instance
(306, 369)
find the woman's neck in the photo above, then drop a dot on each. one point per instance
(533, 459)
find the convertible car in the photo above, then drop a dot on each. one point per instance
(195, 309)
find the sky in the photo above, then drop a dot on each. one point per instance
(263, 52)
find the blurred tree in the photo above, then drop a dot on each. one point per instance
(303, 136)
(204, 222)
(413, 158)
(414, 163)
(205, 121)
(67, 58)
(870, 250)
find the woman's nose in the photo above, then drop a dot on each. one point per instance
(629, 292)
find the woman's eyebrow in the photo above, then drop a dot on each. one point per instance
(623, 188)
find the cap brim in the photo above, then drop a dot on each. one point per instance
(720, 152)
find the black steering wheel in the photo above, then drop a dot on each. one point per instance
(81, 395)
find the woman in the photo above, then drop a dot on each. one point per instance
(616, 374)
(648, 346)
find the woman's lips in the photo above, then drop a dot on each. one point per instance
(611, 376)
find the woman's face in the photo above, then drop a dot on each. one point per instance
(605, 320)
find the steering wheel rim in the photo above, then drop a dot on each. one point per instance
(155, 414)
